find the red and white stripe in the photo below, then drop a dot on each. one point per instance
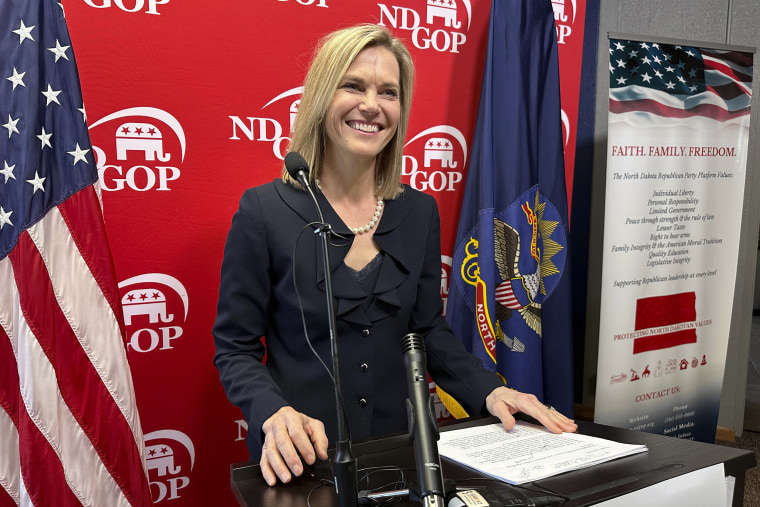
(506, 296)
(69, 411)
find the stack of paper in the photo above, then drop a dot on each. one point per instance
(527, 452)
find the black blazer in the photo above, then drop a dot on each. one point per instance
(269, 243)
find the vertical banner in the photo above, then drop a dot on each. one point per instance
(679, 119)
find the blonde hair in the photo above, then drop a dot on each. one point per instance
(334, 54)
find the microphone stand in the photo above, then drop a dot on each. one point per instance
(344, 464)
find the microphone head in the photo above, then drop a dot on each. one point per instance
(412, 342)
(295, 163)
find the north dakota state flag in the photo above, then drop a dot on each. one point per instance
(509, 299)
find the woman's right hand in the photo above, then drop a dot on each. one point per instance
(288, 433)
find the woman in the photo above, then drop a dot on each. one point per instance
(385, 269)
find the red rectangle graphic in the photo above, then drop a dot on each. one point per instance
(660, 311)
(664, 341)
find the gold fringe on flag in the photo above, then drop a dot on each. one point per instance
(451, 404)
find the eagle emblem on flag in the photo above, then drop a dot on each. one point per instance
(521, 292)
(529, 245)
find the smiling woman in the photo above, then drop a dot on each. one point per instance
(385, 267)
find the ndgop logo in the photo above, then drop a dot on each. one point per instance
(273, 125)
(149, 7)
(434, 159)
(563, 19)
(138, 148)
(170, 457)
(155, 307)
(440, 26)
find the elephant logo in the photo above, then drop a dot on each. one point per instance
(150, 302)
(446, 9)
(439, 148)
(144, 137)
(165, 450)
(161, 459)
(559, 10)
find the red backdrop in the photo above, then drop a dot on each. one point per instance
(189, 103)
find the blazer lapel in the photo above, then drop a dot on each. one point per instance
(394, 269)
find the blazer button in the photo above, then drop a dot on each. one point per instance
(362, 403)
(365, 332)
(364, 367)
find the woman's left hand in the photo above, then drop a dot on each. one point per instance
(503, 402)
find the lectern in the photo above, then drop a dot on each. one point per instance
(666, 458)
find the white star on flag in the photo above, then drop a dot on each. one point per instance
(37, 182)
(11, 126)
(7, 171)
(16, 78)
(5, 217)
(45, 138)
(51, 95)
(24, 32)
(79, 154)
(59, 51)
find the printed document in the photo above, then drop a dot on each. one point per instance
(527, 452)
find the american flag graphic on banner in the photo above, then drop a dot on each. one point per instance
(69, 428)
(670, 81)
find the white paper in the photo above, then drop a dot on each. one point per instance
(527, 452)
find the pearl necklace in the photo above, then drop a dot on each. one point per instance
(372, 223)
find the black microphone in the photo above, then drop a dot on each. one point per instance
(423, 428)
(297, 168)
(344, 464)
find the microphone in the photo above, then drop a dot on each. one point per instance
(423, 428)
(344, 464)
(297, 168)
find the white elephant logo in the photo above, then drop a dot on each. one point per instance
(446, 9)
(151, 302)
(144, 137)
(439, 148)
(559, 10)
(161, 458)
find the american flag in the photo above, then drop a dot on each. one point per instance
(671, 81)
(69, 429)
